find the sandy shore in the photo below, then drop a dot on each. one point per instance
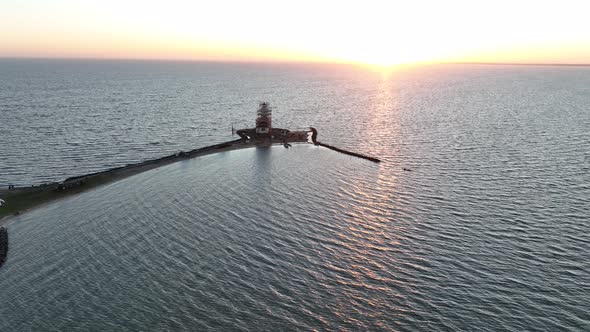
(24, 199)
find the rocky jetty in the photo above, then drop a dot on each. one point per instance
(314, 139)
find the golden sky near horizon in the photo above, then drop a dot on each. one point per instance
(373, 32)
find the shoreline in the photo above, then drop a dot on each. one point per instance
(30, 198)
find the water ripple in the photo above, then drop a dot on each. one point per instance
(483, 230)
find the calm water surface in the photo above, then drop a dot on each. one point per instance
(488, 231)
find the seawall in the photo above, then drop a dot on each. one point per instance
(350, 153)
(21, 199)
(314, 139)
(159, 162)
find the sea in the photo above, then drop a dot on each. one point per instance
(477, 218)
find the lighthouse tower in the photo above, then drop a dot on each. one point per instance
(264, 119)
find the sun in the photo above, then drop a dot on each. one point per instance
(382, 53)
(381, 61)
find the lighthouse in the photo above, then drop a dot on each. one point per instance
(264, 132)
(264, 119)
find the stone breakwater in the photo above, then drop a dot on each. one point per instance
(314, 139)
(79, 180)
(350, 153)
(3, 245)
(22, 199)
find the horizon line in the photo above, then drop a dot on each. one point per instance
(518, 64)
(284, 61)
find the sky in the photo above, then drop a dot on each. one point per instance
(367, 31)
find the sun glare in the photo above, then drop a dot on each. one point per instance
(382, 61)
(372, 32)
